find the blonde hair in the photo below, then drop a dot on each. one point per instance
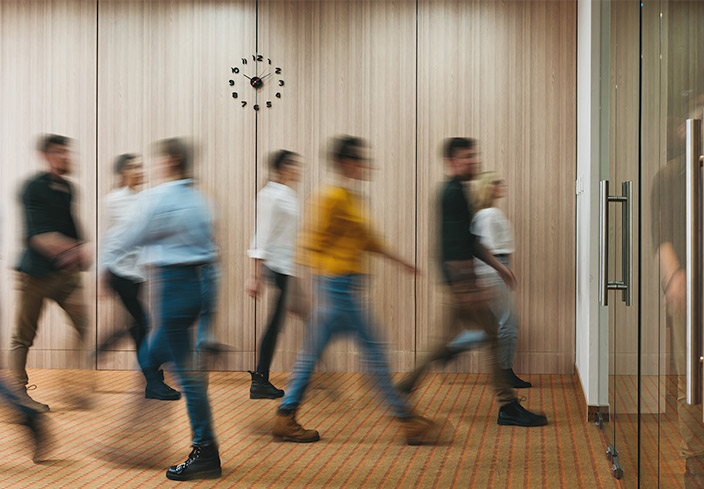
(483, 195)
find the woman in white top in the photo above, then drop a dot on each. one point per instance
(272, 251)
(495, 232)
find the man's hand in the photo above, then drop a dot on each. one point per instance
(253, 286)
(676, 292)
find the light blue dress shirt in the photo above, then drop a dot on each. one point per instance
(172, 222)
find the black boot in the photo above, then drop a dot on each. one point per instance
(34, 420)
(262, 388)
(202, 463)
(515, 380)
(514, 414)
(157, 388)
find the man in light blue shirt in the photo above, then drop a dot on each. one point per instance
(173, 225)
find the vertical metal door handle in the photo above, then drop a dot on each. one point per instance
(626, 202)
(627, 240)
(693, 266)
(604, 242)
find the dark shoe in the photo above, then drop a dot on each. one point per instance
(157, 388)
(27, 401)
(286, 428)
(515, 380)
(514, 414)
(34, 420)
(262, 388)
(420, 431)
(202, 463)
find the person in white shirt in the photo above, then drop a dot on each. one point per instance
(127, 275)
(493, 229)
(272, 250)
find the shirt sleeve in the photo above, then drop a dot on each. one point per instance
(266, 215)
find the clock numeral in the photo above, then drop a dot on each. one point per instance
(260, 57)
(277, 70)
(268, 104)
(278, 94)
(269, 59)
(281, 83)
(244, 61)
(256, 107)
(254, 57)
(234, 94)
(232, 83)
(235, 70)
(244, 103)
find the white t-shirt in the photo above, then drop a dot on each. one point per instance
(122, 205)
(494, 231)
(277, 225)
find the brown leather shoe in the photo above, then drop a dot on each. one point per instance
(287, 429)
(420, 431)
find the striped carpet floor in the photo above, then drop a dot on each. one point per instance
(127, 441)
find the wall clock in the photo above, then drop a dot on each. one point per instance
(256, 82)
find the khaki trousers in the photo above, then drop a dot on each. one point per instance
(62, 287)
(457, 320)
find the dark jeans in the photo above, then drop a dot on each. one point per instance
(268, 345)
(172, 342)
(128, 291)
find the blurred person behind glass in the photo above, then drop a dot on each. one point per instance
(337, 232)
(273, 253)
(493, 229)
(668, 214)
(127, 275)
(53, 257)
(175, 227)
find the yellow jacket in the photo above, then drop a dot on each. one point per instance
(335, 233)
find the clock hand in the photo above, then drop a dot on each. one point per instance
(248, 78)
(262, 77)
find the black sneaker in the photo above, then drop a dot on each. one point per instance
(514, 414)
(27, 401)
(202, 463)
(262, 388)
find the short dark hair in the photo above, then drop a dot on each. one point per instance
(178, 148)
(452, 145)
(46, 141)
(347, 147)
(279, 158)
(121, 162)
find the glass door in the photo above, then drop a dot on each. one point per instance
(655, 102)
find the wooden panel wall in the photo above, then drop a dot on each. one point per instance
(402, 74)
(48, 66)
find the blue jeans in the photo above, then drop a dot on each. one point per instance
(180, 306)
(340, 313)
(209, 283)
